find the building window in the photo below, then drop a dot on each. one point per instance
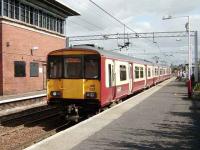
(20, 68)
(36, 17)
(54, 24)
(23, 12)
(45, 20)
(48, 22)
(137, 73)
(27, 16)
(51, 22)
(34, 69)
(11, 8)
(122, 72)
(5, 8)
(17, 10)
(141, 72)
(62, 27)
(58, 25)
(40, 18)
(31, 15)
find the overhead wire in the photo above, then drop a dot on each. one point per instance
(93, 13)
(152, 41)
(117, 20)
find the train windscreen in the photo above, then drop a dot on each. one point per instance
(91, 63)
(55, 66)
(73, 67)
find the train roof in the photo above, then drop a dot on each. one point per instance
(111, 54)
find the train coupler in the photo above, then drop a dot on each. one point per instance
(72, 113)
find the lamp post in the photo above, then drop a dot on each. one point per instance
(187, 26)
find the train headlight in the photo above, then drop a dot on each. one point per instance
(90, 95)
(55, 93)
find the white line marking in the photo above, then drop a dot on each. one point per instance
(21, 98)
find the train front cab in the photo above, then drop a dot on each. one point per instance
(74, 78)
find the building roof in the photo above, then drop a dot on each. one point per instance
(68, 11)
(56, 6)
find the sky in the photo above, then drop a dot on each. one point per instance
(140, 16)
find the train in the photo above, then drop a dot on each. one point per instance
(86, 78)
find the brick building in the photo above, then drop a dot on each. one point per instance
(29, 29)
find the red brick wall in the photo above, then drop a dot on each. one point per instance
(17, 43)
(1, 74)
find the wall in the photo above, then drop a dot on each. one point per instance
(1, 67)
(17, 42)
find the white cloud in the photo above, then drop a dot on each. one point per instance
(140, 15)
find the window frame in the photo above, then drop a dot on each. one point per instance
(123, 72)
(149, 72)
(33, 15)
(34, 74)
(141, 72)
(73, 56)
(53, 57)
(16, 69)
(94, 57)
(5, 8)
(137, 72)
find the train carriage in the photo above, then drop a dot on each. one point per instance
(89, 78)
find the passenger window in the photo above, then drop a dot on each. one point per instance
(149, 72)
(122, 72)
(109, 75)
(137, 72)
(141, 72)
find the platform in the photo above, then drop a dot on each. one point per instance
(10, 104)
(22, 96)
(159, 118)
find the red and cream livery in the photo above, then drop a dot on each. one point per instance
(86, 76)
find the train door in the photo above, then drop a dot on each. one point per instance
(110, 78)
(44, 76)
(113, 73)
(145, 76)
(130, 78)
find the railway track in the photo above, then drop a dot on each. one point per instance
(11, 105)
(27, 128)
(24, 132)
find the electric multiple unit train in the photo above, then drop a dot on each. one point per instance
(89, 78)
